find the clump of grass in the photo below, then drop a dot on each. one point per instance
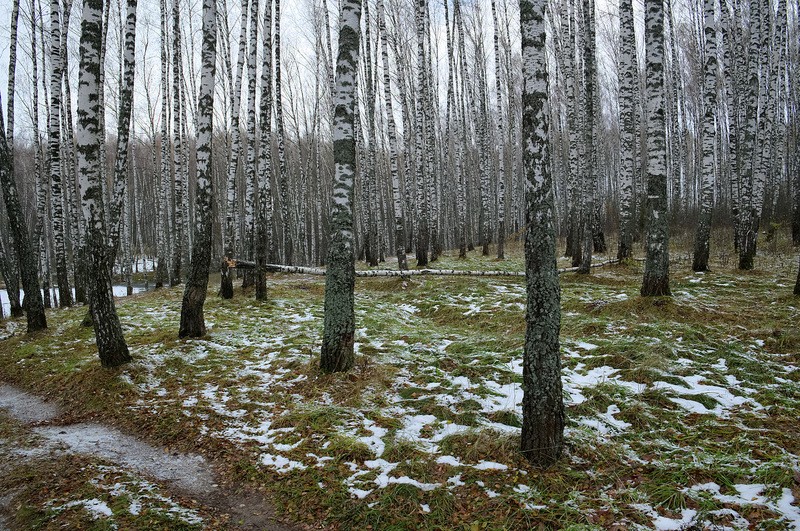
(346, 448)
(318, 419)
(474, 445)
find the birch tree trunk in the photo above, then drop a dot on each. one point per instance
(399, 224)
(127, 80)
(702, 236)
(265, 214)
(542, 402)
(32, 304)
(589, 180)
(226, 283)
(177, 228)
(339, 321)
(423, 232)
(9, 262)
(250, 168)
(56, 180)
(283, 181)
(194, 296)
(628, 93)
(656, 269)
(501, 139)
(162, 227)
(111, 344)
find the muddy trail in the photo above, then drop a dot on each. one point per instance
(183, 474)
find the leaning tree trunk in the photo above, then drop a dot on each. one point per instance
(542, 401)
(194, 296)
(107, 329)
(339, 322)
(10, 274)
(32, 304)
(656, 268)
(8, 262)
(702, 236)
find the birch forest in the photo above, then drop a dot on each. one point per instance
(400, 264)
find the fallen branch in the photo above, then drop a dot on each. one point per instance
(372, 273)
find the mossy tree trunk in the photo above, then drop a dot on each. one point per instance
(542, 402)
(111, 344)
(194, 296)
(339, 322)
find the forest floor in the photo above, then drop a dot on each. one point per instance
(681, 411)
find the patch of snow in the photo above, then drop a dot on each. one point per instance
(281, 463)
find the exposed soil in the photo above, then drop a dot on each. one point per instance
(185, 474)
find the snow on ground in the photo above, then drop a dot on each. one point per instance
(264, 361)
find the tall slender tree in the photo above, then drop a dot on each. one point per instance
(265, 214)
(656, 268)
(543, 401)
(628, 93)
(399, 230)
(231, 225)
(111, 344)
(194, 296)
(127, 79)
(56, 178)
(702, 236)
(339, 322)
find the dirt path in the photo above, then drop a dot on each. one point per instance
(187, 474)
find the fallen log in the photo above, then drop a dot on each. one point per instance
(373, 273)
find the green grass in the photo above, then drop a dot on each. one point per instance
(449, 361)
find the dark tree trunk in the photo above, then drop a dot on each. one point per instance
(10, 273)
(34, 309)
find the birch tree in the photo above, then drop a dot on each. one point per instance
(702, 236)
(127, 80)
(194, 296)
(226, 283)
(656, 269)
(180, 183)
(542, 402)
(399, 230)
(110, 342)
(628, 93)
(56, 179)
(339, 321)
(26, 258)
(265, 213)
